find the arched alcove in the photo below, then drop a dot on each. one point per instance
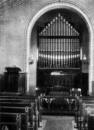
(79, 21)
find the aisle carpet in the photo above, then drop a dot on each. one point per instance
(58, 123)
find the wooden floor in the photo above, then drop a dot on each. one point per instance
(57, 123)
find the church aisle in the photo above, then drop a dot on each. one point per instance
(57, 123)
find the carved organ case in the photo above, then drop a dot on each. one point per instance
(58, 51)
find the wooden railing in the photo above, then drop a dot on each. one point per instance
(66, 105)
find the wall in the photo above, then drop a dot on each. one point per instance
(15, 17)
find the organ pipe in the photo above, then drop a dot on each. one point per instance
(59, 45)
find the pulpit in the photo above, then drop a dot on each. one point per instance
(11, 79)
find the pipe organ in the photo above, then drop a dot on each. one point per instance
(59, 58)
(59, 70)
(59, 45)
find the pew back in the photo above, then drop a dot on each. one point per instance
(18, 112)
(86, 114)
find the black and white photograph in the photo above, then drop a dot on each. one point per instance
(46, 64)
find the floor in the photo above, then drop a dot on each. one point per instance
(57, 123)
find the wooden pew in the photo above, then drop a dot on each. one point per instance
(26, 113)
(18, 105)
(10, 121)
(17, 115)
(86, 114)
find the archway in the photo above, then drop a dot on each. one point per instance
(53, 8)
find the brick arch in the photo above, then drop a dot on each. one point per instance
(61, 6)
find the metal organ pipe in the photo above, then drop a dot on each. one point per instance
(59, 45)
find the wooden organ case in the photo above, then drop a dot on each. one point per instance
(59, 64)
